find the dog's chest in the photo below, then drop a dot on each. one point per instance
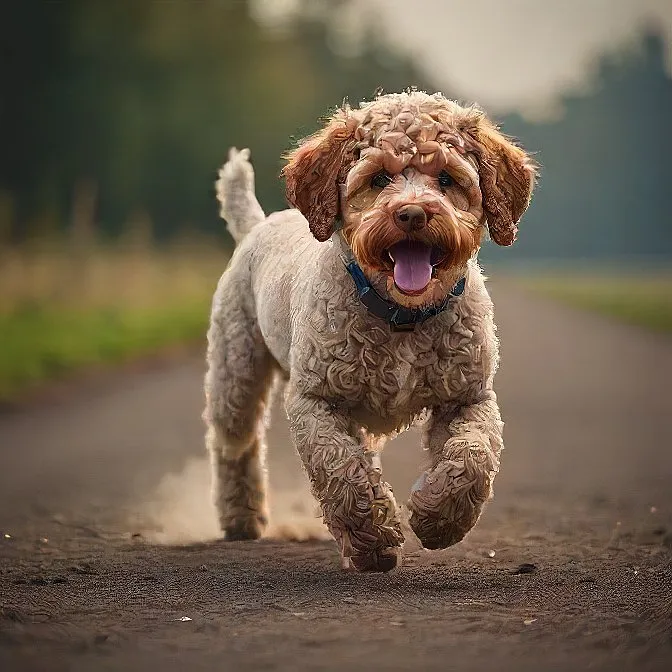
(385, 379)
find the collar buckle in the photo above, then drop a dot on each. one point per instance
(404, 326)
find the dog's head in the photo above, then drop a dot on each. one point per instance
(414, 178)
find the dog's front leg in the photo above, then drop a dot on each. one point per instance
(357, 504)
(464, 445)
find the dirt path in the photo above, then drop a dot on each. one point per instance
(570, 567)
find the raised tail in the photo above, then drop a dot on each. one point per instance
(235, 192)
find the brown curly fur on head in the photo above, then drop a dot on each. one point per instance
(315, 169)
(507, 179)
(428, 134)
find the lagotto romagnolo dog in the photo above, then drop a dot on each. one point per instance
(366, 301)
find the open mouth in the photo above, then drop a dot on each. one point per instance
(413, 265)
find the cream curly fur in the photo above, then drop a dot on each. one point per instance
(286, 310)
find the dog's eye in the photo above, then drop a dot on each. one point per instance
(445, 180)
(381, 180)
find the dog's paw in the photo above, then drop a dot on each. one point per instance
(436, 534)
(245, 529)
(379, 560)
(447, 501)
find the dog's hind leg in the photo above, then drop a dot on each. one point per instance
(237, 387)
(464, 447)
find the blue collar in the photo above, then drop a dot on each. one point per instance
(398, 317)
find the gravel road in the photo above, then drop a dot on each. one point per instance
(108, 540)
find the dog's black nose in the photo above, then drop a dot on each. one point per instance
(410, 218)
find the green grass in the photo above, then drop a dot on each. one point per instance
(41, 344)
(59, 314)
(63, 309)
(640, 299)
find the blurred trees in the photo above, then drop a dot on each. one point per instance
(144, 98)
(606, 165)
(138, 101)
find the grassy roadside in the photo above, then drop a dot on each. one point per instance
(65, 307)
(636, 298)
(61, 312)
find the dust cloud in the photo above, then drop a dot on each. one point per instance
(180, 511)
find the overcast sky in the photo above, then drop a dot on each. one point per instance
(515, 54)
(505, 54)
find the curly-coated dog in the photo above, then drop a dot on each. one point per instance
(368, 302)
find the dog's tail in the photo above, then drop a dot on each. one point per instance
(235, 192)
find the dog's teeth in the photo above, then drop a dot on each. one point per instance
(389, 254)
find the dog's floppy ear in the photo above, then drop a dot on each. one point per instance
(314, 170)
(507, 179)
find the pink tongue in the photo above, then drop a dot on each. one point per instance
(412, 267)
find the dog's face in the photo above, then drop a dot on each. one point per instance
(414, 179)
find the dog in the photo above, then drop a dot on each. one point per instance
(367, 303)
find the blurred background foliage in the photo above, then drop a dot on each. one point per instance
(142, 99)
(115, 116)
(605, 164)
